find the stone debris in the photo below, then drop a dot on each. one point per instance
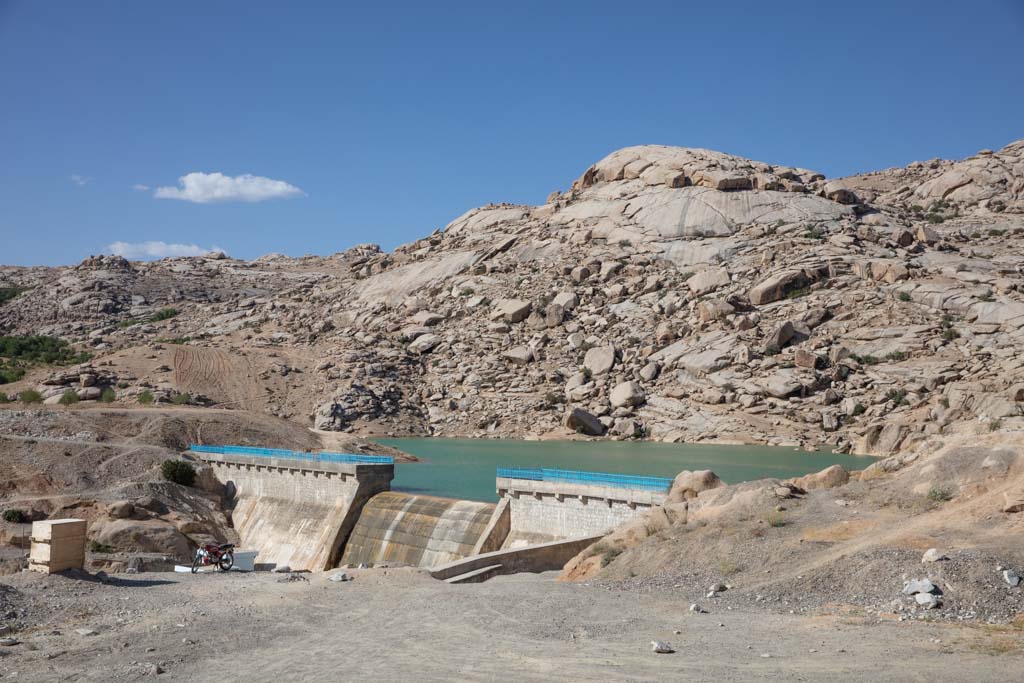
(933, 555)
(661, 647)
(340, 576)
(1012, 578)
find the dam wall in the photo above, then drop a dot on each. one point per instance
(423, 531)
(553, 505)
(297, 511)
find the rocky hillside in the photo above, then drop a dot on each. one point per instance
(669, 294)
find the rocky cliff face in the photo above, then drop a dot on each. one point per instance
(669, 294)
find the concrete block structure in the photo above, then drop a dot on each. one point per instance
(563, 507)
(57, 545)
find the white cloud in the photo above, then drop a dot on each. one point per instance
(79, 180)
(156, 250)
(204, 188)
(139, 187)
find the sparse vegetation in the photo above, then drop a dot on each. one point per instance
(897, 356)
(19, 353)
(178, 471)
(15, 516)
(30, 396)
(181, 398)
(798, 292)
(897, 396)
(69, 397)
(97, 547)
(108, 396)
(146, 397)
(775, 519)
(903, 296)
(8, 293)
(859, 409)
(865, 360)
(940, 494)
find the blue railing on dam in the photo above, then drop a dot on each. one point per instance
(626, 481)
(295, 455)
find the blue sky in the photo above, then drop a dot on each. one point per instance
(379, 122)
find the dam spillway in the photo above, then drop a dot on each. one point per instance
(422, 531)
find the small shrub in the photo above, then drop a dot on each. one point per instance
(994, 425)
(178, 471)
(69, 397)
(4, 398)
(30, 396)
(108, 396)
(772, 350)
(608, 556)
(897, 396)
(146, 397)
(940, 494)
(903, 296)
(859, 409)
(865, 360)
(775, 519)
(944, 402)
(935, 218)
(180, 398)
(15, 516)
(97, 547)
(727, 567)
(798, 292)
(949, 334)
(164, 314)
(897, 356)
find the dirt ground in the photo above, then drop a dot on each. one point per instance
(402, 625)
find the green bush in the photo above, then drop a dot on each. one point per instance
(108, 396)
(940, 494)
(178, 471)
(180, 399)
(8, 293)
(4, 398)
(146, 397)
(69, 397)
(97, 547)
(18, 353)
(903, 296)
(30, 396)
(15, 516)
(164, 314)
(859, 409)
(775, 519)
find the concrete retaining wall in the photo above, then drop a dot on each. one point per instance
(544, 511)
(544, 557)
(296, 513)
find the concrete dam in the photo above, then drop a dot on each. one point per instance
(317, 511)
(423, 531)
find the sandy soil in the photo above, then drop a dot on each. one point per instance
(403, 625)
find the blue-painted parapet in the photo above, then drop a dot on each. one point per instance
(324, 456)
(625, 481)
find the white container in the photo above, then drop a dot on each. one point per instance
(245, 560)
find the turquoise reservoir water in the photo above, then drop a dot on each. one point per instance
(464, 468)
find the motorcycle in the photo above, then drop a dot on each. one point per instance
(222, 555)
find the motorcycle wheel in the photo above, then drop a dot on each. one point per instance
(195, 563)
(227, 560)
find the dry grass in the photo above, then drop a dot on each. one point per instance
(843, 531)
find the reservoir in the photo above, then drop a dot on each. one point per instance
(465, 468)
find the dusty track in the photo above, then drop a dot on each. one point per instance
(406, 626)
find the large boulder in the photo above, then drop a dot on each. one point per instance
(599, 359)
(828, 478)
(708, 281)
(583, 422)
(776, 286)
(518, 355)
(424, 343)
(627, 394)
(511, 310)
(688, 485)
